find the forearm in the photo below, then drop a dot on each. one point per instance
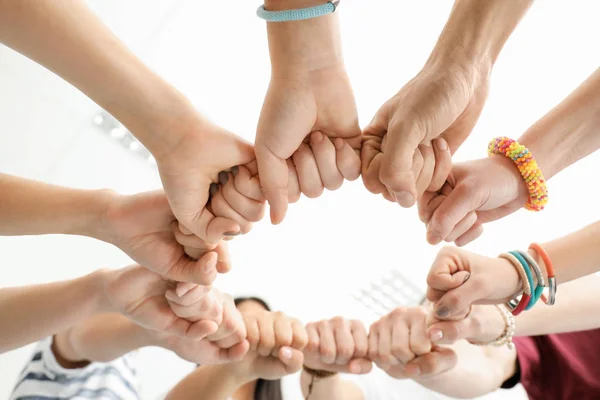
(36, 208)
(299, 47)
(569, 132)
(575, 295)
(479, 370)
(103, 338)
(210, 382)
(477, 30)
(67, 38)
(332, 388)
(34, 312)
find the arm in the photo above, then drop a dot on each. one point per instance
(569, 132)
(212, 382)
(68, 39)
(34, 312)
(478, 371)
(332, 388)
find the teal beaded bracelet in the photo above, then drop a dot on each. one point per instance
(299, 14)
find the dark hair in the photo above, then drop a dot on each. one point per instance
(265, 390)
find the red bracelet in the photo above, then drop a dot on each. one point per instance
(550, 271)
(525, 298)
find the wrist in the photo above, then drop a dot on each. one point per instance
(95, 286)
(476, 31)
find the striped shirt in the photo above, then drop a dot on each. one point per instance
(44, 379)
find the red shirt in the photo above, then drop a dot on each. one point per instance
(561, 366)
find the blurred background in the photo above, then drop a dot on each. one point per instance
(329, 249)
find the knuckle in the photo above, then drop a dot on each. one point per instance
(345, 352)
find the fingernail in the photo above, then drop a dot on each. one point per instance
(287, 353)
(232, 233)
(436, 335)
(182, 290)
(214, 188)
(442, 312)
(223, 177)
(405, 199)
(355, 369)
(211, 265)
(235, 170)
(441, 144)
(467, 277)
(433, 238)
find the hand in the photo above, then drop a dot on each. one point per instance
(470, 198)
(188, 170)
(457, 279)
(201, 304)
(337, 345)
(398, 344)
(483, 324)
(310, 118)
(276, 343)
(139, 294)
(401, 157)
(202, 352)
(142, 226)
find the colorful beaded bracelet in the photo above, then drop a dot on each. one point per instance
(517, 306)
(530, 171)
(550, 271)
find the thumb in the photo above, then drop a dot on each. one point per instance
(273, 174)
(396, 165)
(458, 301)
(292, 359)
(448, 332)
(359, 366)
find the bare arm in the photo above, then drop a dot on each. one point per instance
(31, 313)
(36, 208)
(212, 382)
(478, 371)
(332, 388)
(67, 38)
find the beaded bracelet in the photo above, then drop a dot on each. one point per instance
(550, 271)
(528, 167)
(541, 283)
(506, 338)
(516, 307)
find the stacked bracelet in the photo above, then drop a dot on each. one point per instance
(550, 271)
(517, 306)
(530, 171)
(298, 14)
(541, 284)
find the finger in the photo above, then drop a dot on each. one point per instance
(443, 164)
(284, 333)
(205, 308)
(273, 179)
(187, 296)
(359, 366)
(374, 343)
(371, 157)
(308, 172)
(223, 259)
(419, 341)
(386, 355)
(251, 210)
(344, 342)
(399, 343)
(202, 271)
(396, 173)
(267, 336)
(448, 332)
(327, 347)
(361, 339)
(437, 362)
(291, 359)
(347, 159)
(426, 173)
(472, 234)
(325, 156)
(417, 166)
(247, 184)
(462, 227)
(221, 208)
(294, 191)
(427, 204)
(234, 353)
(460, 202)
(300, 336)
(201, 329)
(252, 332)
(458, 301)
(314, 341)
(189, 240)
(215, 228)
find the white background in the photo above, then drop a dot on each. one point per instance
(216, 53)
